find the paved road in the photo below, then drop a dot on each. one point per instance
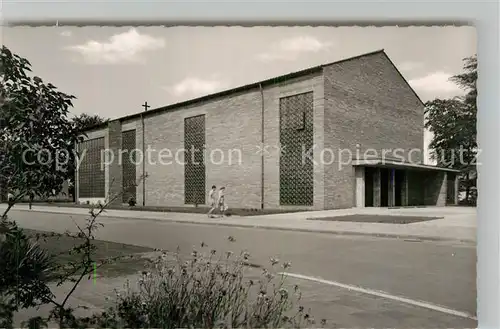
(441, 273)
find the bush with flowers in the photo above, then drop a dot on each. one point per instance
(206, 290)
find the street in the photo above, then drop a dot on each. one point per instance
(404, 283)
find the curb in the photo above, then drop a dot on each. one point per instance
(346, 233)
(290, 229)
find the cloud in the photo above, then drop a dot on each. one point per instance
(437, 82)
(66, 33)
(126, 47)
(196, 86)
(410, 66)
(290, 49)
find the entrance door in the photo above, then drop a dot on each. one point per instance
(369, 176)
(384, 187)
(398, 187)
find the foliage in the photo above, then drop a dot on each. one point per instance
(76, 271)
(468, 79)
(37, 137)
(85, 121)
(205, 291)
(25, 270)
(132, 202)
(208, 290)
(33, 118)
(453, 124)
(454, 143)
(28, 269)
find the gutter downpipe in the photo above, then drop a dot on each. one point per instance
(262, 145)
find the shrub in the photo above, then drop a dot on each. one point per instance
(25, 270)
(132, 202)
(205, 291)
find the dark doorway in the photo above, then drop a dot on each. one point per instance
(384, 187)
(450, 185)
(369, 176)
(398, 187)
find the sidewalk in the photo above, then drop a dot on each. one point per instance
(457, 223)
(89, 298)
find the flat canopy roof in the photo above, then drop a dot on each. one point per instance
(388, 163)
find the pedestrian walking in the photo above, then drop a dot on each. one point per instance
(212, 200)
(10, 198)
(32, 197)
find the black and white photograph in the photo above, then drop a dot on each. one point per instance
(238, 176)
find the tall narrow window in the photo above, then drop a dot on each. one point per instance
(296, 138)
(129, 162)
(91, 175)
(194, 160)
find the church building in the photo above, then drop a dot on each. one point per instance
(339, 135)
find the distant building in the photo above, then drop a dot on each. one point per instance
(359, 110)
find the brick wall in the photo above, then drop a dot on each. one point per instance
(366, 102)
(363, 100)
(416, 187)
(427, 188)
(435, 188)
(272, 95)
(142, 181)
(115, 168)
(232, 129)
(233, 137)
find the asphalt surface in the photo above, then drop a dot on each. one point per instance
(442, 273)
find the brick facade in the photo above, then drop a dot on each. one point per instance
(115, 168)
(367, 103)
(358, 104)
(233, 138)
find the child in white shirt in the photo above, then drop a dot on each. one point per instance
(221, 201)
(212, 201)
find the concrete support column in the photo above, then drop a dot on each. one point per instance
(376, 187)
(443, 180)
(456, 189)
(114, 167)
(360, 187)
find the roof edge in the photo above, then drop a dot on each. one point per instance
(382, 162)
(258, 84)
(356, 57)
(250, 86)
(404, 79)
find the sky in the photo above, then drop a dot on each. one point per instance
(113, 70)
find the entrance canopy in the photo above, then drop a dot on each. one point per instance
(398, 164)
(394, 183)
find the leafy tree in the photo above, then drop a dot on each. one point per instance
(453, 124)
(468, 79)
(36, 140)
(37, 137)
(25, 270)
(84, 121)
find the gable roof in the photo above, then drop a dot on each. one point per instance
(404, 79)
(254, 85)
